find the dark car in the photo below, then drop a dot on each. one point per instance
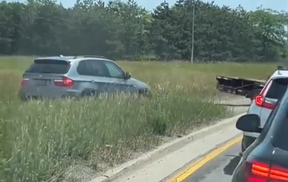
(266, 160)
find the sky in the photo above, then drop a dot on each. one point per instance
(247, 4)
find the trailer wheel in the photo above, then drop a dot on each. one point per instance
(253, 93)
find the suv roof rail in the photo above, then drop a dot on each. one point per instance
(89, 56)
(281, 68)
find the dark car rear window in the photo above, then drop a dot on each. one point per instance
(49, 66)
(277, 88)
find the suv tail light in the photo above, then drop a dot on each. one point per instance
(261, 172)
(24, 81)
(64, 82)
(260, 99)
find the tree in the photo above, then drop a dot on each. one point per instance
(269, 27)
(125, 30)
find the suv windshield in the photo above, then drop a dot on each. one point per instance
(49, 66)
(277, 88)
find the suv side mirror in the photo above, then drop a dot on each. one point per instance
(127, 76)
(249, 123)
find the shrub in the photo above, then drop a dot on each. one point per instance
(40, 140)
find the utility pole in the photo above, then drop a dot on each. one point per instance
(192, 32)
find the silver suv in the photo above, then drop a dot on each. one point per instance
(265, 102)
(77, 76)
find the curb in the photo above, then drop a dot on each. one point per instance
(163, 150)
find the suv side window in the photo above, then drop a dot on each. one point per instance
(114, 70)
(93, 68)
(81, 69)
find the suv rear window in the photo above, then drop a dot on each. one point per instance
(49, 66)
(277, 88)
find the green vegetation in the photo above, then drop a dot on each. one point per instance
(40, 140)
(122, 30)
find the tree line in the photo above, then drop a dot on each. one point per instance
(125, 30)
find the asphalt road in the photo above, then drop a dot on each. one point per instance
(219, 169)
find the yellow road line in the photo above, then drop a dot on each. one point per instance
(180, 177)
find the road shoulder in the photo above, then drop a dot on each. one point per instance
(168, 158)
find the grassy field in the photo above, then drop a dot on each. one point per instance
(40, 140)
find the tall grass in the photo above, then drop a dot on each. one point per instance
(41, 139)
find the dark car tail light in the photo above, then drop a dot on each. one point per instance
(261, 172)
(24, 81)
(260, 99)
(64, 82)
